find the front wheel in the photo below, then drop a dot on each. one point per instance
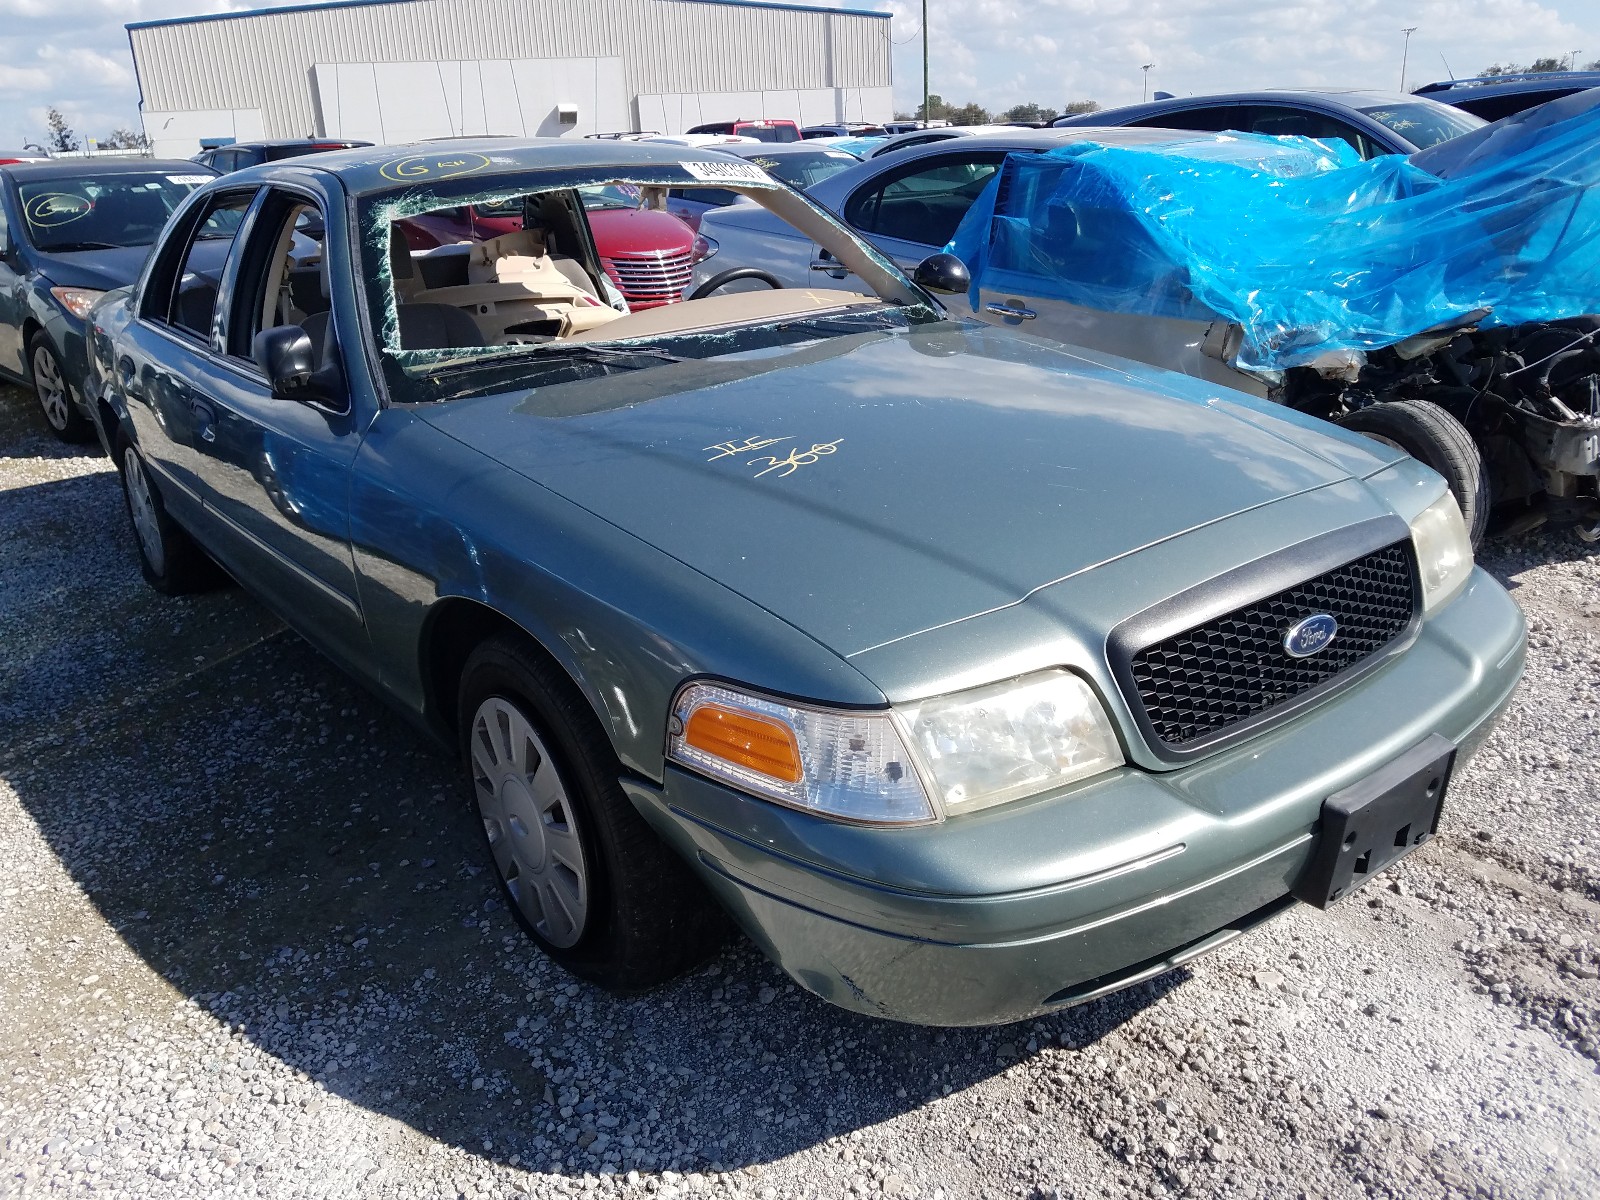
(53, 393)
(583, 874)
(1432, 436)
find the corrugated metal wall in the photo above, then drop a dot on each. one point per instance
(265, 60)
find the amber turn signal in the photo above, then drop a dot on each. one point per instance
(745, 739)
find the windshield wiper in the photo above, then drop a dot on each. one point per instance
(72, 247)
(535, 356)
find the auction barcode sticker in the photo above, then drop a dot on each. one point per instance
(191, 180)
(732, 171)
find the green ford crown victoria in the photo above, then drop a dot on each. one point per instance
(973, 675)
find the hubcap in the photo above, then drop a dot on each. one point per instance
(52, 389)
(142, 506)
(528, 816)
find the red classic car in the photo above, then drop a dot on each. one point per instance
(649, 255)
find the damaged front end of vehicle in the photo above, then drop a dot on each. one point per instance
(1528, 394)
(1443, 302)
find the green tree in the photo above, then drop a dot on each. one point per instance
(62, 139)
(936, 108)
(1029, 112)
(968, 114)
(1077, 108)
(125, 139)
(1548, 64)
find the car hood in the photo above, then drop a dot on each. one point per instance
(638, 231)
(100, 269)
(869, 487)
(120, 266)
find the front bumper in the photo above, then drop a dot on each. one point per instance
(1033, 906)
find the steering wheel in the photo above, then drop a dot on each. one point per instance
(727, 277)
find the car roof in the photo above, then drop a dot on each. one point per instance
(361, 170)
(1354, 98)
(73, 168)
(274, 143)
(774, 149)
(1514, 83)
(1023, 138)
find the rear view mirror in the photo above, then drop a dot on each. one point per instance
(944, 274)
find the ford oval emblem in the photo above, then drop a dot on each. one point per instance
(1306, 637)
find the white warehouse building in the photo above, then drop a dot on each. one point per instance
(401, 70)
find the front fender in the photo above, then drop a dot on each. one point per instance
(433, 520)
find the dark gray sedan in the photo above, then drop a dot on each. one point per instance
(1372, 122)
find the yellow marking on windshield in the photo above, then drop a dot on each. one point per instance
(749, 446)
(796, 459)
(420, 167)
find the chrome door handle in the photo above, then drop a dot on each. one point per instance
(1015, 312)
(832, 266)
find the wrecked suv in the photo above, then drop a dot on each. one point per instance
(974, 677)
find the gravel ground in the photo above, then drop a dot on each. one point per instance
(248, 947)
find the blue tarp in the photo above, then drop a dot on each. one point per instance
(1298, 241)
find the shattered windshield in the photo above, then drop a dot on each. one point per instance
(583, 275)
(1424, 125)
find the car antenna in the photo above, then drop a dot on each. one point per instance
(1446, 63)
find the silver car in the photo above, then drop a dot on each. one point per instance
(908, 205)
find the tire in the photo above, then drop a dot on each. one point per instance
(1432, 436)
(50, 388)
(171, 560)
(581, 872)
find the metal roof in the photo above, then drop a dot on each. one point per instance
(70, 168)
(373, 170)
(331, 4)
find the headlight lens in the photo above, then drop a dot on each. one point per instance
(843, 764)
(704, 247)
(1444, 551)
(1012, 739)
(77, 301)
(975, 749)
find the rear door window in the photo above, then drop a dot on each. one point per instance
(1278, 121)
(924, 201)
(185, 296)
(1212, 119)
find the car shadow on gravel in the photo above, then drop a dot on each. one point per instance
(288, 853)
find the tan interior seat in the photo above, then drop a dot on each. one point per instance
(514, 286)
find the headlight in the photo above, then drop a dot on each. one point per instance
(1444, 551)
(77, 301)
(1013, 739)
(704, 247)
(974, 749)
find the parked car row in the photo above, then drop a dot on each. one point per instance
(973, 675)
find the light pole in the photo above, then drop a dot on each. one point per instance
(926, 115)
(1404, 53)
(1146, 70)
(1573, 64)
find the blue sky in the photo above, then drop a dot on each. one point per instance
(74, 53)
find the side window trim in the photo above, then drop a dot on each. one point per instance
(240, 302)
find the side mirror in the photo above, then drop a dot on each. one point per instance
(287, 358)
(944, 274)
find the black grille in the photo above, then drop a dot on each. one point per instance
(1198, 683)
